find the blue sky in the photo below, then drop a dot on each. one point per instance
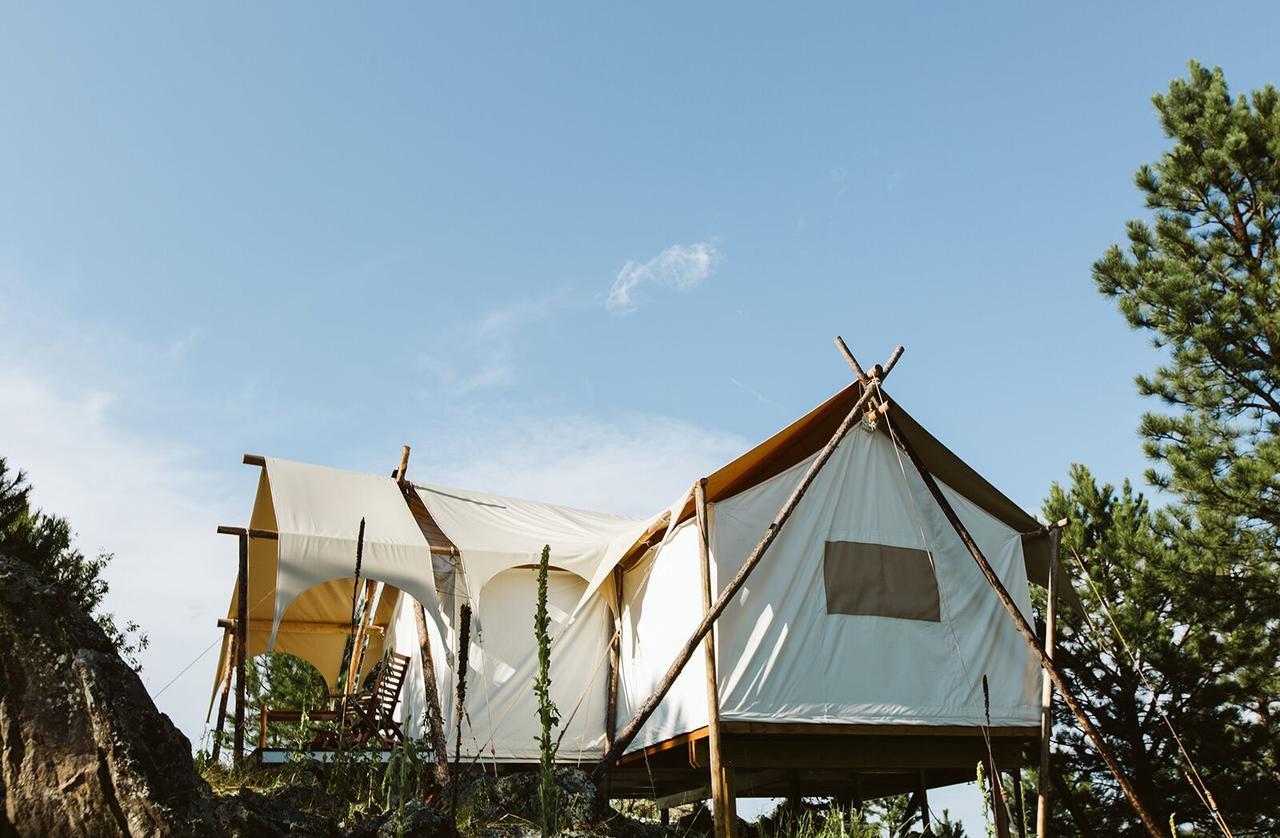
(585, 253)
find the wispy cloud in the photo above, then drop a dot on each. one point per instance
(481, 353)
(751, 391)
(680, 267)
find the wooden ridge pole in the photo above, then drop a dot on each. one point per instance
(1046, 690)
(1028, 634)
(686, 652)
(404, 466)
(719, 801)
(435, 717)
(431, 689)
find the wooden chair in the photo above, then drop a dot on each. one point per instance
(369, 713)
(365, 716)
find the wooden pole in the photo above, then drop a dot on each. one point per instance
(615, 664)
(435, 716)
(1028, 634)
(464, 653)
(922, 789)
(729, 786)
(404, 465)
(686, 652)
(718, 807)
(226, 691)
(242, 641)
(357, 646)
(1046, 691)
(999, 805)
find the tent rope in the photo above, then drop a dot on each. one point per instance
(1197, 784)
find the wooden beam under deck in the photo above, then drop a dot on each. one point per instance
(862, 761)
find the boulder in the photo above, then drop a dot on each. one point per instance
(84, 749)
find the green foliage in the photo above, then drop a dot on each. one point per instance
(1201, 646)
(887, 818)
(45, 543)
(281, 680)
(548, 714)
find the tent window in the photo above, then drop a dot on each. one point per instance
(880, 581)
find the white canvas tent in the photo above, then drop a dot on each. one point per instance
(868, 613)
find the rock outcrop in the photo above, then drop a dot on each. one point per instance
(84, 749)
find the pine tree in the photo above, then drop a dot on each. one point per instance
(1197, 585)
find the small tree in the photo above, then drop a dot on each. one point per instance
(548, 715)
(45, 543)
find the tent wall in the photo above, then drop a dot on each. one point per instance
(402, 636)
(783, 657)
(662, 596)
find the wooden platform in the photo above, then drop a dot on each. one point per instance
(856, 762)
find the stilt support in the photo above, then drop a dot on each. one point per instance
(242, 641)
(718, 797)
(435, 716)
(1046, 691)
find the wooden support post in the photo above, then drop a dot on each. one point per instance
(686, 652)
(999, 806)
(435, 716)
(1019, 808)
(729, 787)
(718, 808)
(242, 642)
(1029, 635)
(922, 789)
(615, 664)
(226, 691)
(1046, 691)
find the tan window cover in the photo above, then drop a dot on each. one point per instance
(880, 581)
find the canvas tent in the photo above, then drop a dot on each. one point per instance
(868, 615)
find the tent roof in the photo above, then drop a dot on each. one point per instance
(811, 432)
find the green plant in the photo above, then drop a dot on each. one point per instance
(548, 714)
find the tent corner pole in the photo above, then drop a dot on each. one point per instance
(1029, 635)
(719, 803)
(242, 640)
(225, 692)
(1046, 691)
(686, 652)
(615, 675)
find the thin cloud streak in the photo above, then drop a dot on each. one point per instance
(681, 267)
